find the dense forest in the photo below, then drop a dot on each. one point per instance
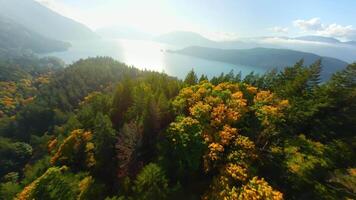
(99, 129)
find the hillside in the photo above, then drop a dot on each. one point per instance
(44, 21)
(14, 36)
(263, 57)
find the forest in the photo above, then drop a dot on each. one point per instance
(99, 129)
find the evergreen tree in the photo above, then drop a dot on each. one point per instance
(191, 78)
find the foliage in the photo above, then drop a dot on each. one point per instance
(53, 184)
(207, 134)
(76, 151)
(151, 183)
(13, 155)
(95, 129)
(127, 146)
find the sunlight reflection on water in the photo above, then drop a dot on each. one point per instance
(149, 55)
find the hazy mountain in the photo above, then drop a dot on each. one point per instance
(123, 32)
(44, 21)
(263, 57)
(16, 37)
(351, 43)
(315, 38)
(184, 39)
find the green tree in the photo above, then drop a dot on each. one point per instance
(151, 183)
(54, 184)
(191, 78)
(104, 141)
(13, 155)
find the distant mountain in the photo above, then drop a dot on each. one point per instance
(16, 37)
(123, 33)
(184, 39)
(351, 43)
(315, 38)
(263, 57)
(44, 21)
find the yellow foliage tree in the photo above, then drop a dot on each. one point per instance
(217, 110)
(77, 149)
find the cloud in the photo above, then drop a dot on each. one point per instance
(336, 30)
(312, 24)
(279, 29)
(315, 26)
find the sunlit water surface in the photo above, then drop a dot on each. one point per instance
(151, 56)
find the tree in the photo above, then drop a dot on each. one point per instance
(191, 78)
(54, 184)
(151, 183)
(13, 155)
(207, 133)
(203, 78)
(76, 151)
(104, 147)
(128, 147)
(9, 187)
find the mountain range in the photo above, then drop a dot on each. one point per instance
(324, 46)
(186, 38)
(263, 57)
(44, 21)
(14, 36)
(28, 25)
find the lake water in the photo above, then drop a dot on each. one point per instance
(151, 56)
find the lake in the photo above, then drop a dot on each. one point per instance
(149, 55)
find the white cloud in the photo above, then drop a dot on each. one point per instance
(279, 29)
(336, 30)
(312, 24)
(315, 26)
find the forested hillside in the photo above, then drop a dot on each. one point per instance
(14, 37)
(99, 129)
(267, 58)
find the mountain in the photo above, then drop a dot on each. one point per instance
(331, 40)
(315, 38)
(263, 57)
(16, 37)
(123, 33)
(44, 21)
(184, 39)
(351, 43)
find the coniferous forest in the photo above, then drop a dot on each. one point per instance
(99, 129)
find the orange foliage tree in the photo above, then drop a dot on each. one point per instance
(206, 133)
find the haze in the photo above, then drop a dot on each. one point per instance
(217, 20)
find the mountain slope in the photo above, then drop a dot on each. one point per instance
(264, 57)
(14, 36)
(44, 21)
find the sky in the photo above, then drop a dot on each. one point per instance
(217, 19)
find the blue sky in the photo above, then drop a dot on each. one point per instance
(219, 19)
